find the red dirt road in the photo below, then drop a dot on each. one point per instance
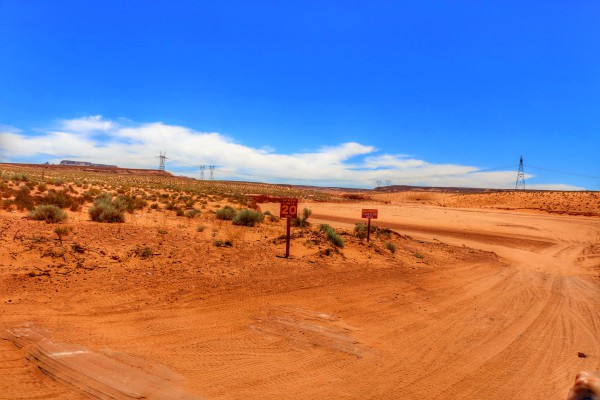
(480, 304)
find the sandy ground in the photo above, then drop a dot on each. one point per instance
(475, 303)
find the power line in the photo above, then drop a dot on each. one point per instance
(563, 172)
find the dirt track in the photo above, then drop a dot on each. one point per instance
(480, 304)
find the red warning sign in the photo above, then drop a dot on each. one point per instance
(370, 213)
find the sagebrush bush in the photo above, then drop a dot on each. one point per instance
(105, 210)
(248, 217)
(226, 213)
(48, 213)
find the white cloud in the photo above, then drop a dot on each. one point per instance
(137, 145)
(89, 124)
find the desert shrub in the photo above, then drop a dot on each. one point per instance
(361, 230)
(391, 247)
(179, 212)
(332, 235)
(23, 200)
(334, 238)
(247, 217)
(201, 228)
(324, 228)
(129, 203)
(226, 213)
(90, 194)
(62, 231)
(48, 213)
(154, 206)
(144, 252)
(57, 181)
(19, 177)
(193, 213)
(42, 187)
(302, 220)
(104, 210)
(60, 199)
(7, 204)
(386, 233)
(223, 243)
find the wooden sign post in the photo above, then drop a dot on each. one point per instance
(369, 213)
(289, 210)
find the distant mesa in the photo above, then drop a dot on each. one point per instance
(86, 164)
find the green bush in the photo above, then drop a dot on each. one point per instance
(105, 210)
(129, 203)
(60, 199)
(226, 213)
(324, 227)
(48, 213)
(248, 217)
(391, 247)
(334, 238)
(332, 235)
(193, 213)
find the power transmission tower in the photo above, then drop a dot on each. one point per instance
(520, 176)
(212, 171)
(202, 168)
(162, 157)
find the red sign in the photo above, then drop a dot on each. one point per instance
(289, 208)
(369, 213)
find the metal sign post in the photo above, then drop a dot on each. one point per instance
(288, 209)
(369, 213)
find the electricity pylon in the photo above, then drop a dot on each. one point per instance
(162, 157)
(520, 176)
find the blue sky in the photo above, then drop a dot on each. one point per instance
(324, 92)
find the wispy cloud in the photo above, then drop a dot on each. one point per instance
(137, 145)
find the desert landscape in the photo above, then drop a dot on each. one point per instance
(481, 294)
